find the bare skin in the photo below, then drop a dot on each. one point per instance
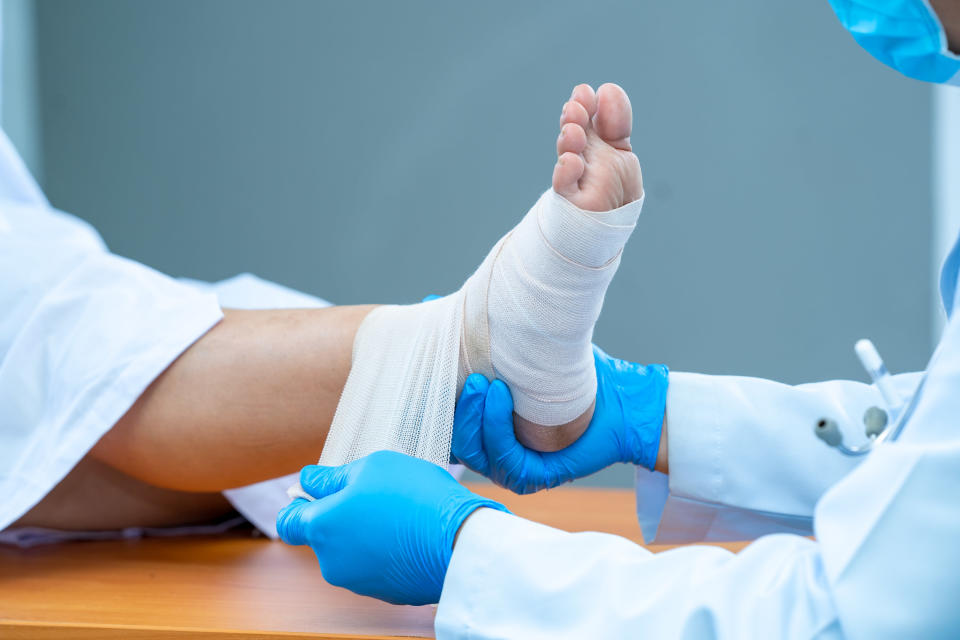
(95, 496)
(949, 13)
(596, 168)
(252, 399)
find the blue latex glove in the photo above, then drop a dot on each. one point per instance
(626, 427)
(382, 526)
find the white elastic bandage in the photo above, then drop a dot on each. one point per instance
(532, 304)
(526, 316)
(402, 387)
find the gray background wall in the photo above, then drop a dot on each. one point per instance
(19, 84)
(374, 151)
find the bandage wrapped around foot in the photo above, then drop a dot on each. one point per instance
(526, 317)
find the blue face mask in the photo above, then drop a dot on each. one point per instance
(903, 34)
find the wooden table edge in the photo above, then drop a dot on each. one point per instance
(16, 629)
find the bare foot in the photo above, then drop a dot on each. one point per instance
(596, 169)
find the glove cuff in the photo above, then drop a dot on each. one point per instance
(459, 514)
(643, 412)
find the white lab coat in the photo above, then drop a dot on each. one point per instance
(82, 333)
(743, 461)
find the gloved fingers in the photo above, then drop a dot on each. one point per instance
(320, 481)
(507, 457)
(291, 523)
(614, 371)
(498, 418)
(467, 445)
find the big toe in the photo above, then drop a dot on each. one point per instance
(614, 117)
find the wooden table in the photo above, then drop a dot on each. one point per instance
(237, 586)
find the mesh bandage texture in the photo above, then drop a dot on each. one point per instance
(402, 388)
(525, 316)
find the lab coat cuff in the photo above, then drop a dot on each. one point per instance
(652, 492)
(695, 441)
(485, 544)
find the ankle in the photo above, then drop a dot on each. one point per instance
(547, 439)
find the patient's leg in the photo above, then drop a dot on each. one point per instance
(526, 316)
(95, 496)
(252, 399)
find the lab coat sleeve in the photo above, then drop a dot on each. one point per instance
(511, 578)
(743, 458)
(884, 566)
(83, 332)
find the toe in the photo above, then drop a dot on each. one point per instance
(583, 93)
(614, 117)
(568, 171)
(573, 139)
(576, 113)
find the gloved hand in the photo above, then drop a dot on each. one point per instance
(382, 526)
(626, 427)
